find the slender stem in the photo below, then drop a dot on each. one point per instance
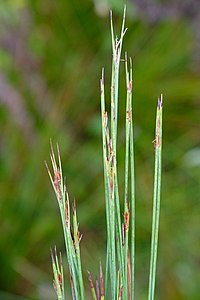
(126, 203)
(132, 167)
(116, 51)
(156, 200)
(106, 180)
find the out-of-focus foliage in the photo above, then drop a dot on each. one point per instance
(51, 54)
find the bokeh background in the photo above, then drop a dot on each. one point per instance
(51, 54)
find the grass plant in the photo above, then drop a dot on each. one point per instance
(119, 272)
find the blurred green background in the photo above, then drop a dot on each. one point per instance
(51, 54)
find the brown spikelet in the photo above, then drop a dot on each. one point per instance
(90, 280)
(111, 184)
(130, 86)
(156, 141)
(105, 119)
(57, 181)
(128, 115)
(126, 220)
(60, 280)
(73, 239)
(79, 236)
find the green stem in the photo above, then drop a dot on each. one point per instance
(156, 201)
